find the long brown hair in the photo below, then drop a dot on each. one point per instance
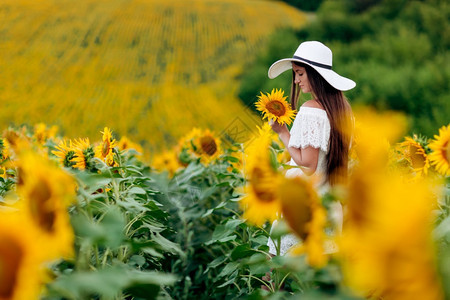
(339, 113)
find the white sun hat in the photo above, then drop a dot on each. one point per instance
(319, 57)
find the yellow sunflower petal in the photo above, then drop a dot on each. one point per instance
(416, 156)
(261, 203)
(305, 215)
(440, 157)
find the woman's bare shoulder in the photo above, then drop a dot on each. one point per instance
(313, 104)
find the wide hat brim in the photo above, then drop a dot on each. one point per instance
(334, 79)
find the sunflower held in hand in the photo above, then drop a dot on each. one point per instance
(275, 107)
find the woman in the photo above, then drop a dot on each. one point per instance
(319, 139)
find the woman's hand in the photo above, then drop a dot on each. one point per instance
(277, 127)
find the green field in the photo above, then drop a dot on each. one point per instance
(149, 70)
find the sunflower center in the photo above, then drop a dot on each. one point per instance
(105, 148)
(358, 200)
(208, 145)
(276, 108)
(259, 188)
(417, 159)
(19, 175)
(40, 195)
(11, 255)
(40, 137)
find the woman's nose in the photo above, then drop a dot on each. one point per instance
(297, 79)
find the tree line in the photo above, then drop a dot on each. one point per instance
(397, 51)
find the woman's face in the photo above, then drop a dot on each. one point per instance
(301, 78)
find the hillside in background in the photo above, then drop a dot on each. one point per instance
(150, 70)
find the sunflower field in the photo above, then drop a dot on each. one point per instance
(149, 69)
(90, 220)
(130, 170)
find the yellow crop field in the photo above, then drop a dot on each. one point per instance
(149, 69)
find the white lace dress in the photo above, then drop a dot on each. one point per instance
(311, 128)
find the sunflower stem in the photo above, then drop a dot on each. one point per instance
(232, 211)
(105, 257)
(269, 286)
(276, 272)
(278, 246)
(283, 280)
(97, 257)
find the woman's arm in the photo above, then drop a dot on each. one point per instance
(306, 157)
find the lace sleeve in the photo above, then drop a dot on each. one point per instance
(311, 128)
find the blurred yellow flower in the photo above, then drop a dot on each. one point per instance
(382, 256)
(440, 157)
(275, 107)
(16, 140)
(20, 258)
(45, 191)
(104, 150)
(125, 143)
(261, 202)
(41, 133)
(415, 154)
(167, 160)
(283, 157)
(306, 217)
(374, 133)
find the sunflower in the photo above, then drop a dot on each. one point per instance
(440, 157)
(275, 107)
(41, 133)
(84, 153)
(208, 146)
(306, 217)
(201, 144)
(104, 150)
(377, 260)
(374, 133)
(17, 140)
(45, 191)
(261, 203)
(415, 154)
(125, 144)
(4, 149)
(66, 154)
(20, 258)
(167, 161)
